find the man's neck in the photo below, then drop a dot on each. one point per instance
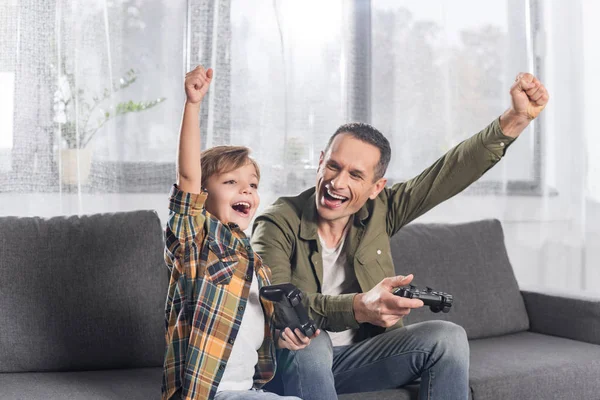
(332, 232)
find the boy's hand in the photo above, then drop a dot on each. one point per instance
(196, 84)
(293, 340)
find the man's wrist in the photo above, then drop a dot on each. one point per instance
(357, 307)
(512, 123)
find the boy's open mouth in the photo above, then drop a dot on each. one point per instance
(242, 208)
(333, 200)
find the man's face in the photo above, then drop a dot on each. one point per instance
(233, 196)
(346, 177)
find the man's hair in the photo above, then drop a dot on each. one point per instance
(223, 159)
(367, 134)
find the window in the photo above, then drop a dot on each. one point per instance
(7, 82)
(288, 73)
(105, 76)
(425, 74)
(440, 74)
(287, 80)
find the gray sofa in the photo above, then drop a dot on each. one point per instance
(81, 311)
(525, 344)
(81, 307)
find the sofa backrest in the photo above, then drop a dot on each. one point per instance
(82, 293)
(470, 262)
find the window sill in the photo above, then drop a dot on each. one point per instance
(104, 177)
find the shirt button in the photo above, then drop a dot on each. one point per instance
(231, 341)
(221, 367)
(501, 144)
(241, 308)
(248, 277)
(378, 251)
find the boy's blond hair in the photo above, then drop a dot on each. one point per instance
(223, 159)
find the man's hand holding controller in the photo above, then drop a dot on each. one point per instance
(379, 306)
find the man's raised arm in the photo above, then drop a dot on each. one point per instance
(468, 161)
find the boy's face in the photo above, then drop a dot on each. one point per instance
(233, 196)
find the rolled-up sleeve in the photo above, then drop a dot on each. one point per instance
(185, 223)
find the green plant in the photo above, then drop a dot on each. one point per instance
(78, 130)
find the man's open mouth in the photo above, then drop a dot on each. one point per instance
(333, 199)
(242, 207)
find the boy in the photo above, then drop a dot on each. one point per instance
(219, 333)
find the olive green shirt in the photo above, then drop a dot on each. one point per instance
(285, 235)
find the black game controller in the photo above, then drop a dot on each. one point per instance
(437, 301)
(289, 311)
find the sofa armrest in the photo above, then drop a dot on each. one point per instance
(568, 314)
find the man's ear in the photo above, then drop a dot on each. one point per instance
(321, 158)
(377, 188)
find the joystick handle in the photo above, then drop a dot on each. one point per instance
(289, 311)
(437, 301)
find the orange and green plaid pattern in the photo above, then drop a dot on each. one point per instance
(211, 267)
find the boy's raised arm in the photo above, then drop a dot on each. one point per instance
(189, 172)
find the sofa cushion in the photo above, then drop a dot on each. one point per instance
(82, 293)
(130, 384)
(529, 365)
(411, 392)
(470, 262)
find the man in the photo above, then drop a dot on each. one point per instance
(332, 241)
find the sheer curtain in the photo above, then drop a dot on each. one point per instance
(437, 72)
(543, 190)
(92, 92)
(591, 148)
(287, 74)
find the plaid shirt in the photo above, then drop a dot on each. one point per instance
(211, 268)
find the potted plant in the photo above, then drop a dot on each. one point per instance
(76, 130)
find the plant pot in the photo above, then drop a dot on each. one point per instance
(75, 165)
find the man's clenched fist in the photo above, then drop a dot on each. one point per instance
(528, 96)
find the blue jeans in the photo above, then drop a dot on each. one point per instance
(249, 395)
(437, 352)
(252, 394)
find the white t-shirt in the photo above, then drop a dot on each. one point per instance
(239, 371)
(338, 278)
